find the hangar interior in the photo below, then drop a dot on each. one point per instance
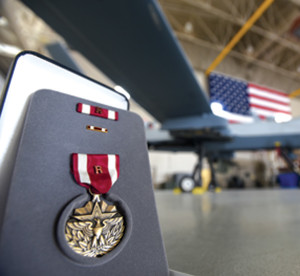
(251, 233)
(268, 55)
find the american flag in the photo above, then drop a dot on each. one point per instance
(242, 101)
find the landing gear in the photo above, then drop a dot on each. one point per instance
(193, 183)
(213, 183)
(197, 173)
(187, 184)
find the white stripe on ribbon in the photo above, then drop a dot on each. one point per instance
(267, 94)
(111, 115)
(277, 106)
(112, 169)
(86, 109)
(82, 169)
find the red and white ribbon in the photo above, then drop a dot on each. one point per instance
(97, 111)
(97, 172)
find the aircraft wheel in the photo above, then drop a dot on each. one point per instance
(187, 184)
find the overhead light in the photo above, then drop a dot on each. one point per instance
(188, 27)
(3, 21)
(9, 50)
(250, 49)
(282, 118)
(121, 90)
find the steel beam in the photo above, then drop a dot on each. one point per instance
(257, 14)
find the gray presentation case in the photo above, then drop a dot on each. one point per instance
(43, 194)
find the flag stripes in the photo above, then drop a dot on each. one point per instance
(247, 100)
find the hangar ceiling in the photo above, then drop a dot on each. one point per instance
(269, 53)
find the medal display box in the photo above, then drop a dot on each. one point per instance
(43, 193)
(31, 72)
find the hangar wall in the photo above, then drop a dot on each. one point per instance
(165, 164)
(200, 56)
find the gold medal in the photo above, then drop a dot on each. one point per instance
(95, 229)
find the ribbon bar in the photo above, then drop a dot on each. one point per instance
(97, 172)
(97, 111)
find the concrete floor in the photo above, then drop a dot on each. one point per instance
(247, 232)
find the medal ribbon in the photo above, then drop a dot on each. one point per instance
(97, 111)
(97, 172)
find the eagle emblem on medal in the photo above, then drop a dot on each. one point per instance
(98, 227)
(95, 229)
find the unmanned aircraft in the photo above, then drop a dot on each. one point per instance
(133, 44)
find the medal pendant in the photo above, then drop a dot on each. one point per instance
(94, 229)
